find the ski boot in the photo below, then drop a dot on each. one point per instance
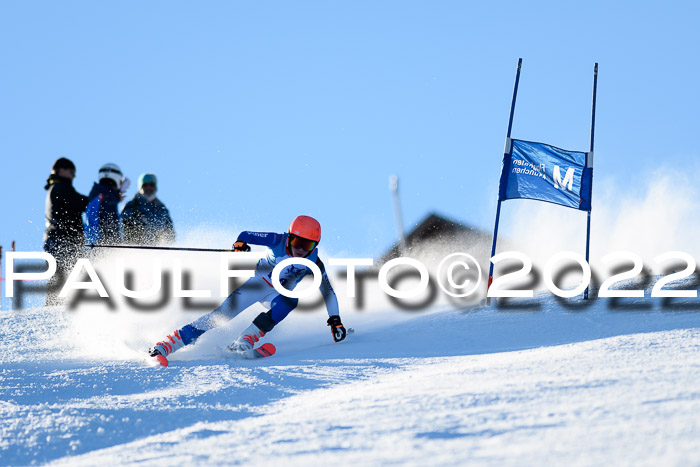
(165, 347)
(246, 341)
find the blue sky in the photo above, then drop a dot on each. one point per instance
(253, 112)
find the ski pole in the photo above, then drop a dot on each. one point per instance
(12, 300)
(166, 248)
(1, 277)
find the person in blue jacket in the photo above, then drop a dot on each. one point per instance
(299, 242)
(103, 225)
(145, 219)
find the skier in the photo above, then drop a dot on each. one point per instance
(300, 241)
(145, 219)
(64, 236)
(103, 226)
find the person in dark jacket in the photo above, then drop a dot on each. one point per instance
(103, 224)
(64, 237)
(145, 219)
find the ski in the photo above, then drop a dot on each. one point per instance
(161, 360)
(265, 350)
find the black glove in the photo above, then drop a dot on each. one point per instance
(240, 246)
(337, 328)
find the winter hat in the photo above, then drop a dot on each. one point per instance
(147, 178)
(62, 163)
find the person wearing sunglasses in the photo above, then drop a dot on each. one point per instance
(300, 241)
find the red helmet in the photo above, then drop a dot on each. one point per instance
(306, 227)
(305, 233)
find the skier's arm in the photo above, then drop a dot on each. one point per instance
(268, 239)
(337, 328)
(327, 291)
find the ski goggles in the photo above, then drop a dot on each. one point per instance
(302, 243)
(109, 170)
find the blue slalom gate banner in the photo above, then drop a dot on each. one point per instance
(546, 173)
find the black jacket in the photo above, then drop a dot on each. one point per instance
(147, 222)
(64, 208)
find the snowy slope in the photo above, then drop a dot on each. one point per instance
(584, 385)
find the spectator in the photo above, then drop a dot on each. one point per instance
(103, 210)
(145, 219)
(64, 237)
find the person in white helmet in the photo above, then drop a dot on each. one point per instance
(103, 225)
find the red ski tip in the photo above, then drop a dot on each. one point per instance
(162, 360)
(265, 350)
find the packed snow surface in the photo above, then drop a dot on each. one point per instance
(583, 384)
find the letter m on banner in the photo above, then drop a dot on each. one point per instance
(546, 173)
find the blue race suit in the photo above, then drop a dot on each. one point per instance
(259, 289)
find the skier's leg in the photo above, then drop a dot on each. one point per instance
(253, 290)
(281, 306)
(264, 323)
(250, 292)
